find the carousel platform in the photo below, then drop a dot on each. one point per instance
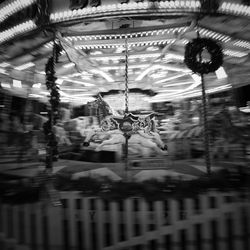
(180, 169)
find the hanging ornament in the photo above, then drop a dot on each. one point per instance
(198, 46)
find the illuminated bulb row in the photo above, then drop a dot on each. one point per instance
(185, 41)
(13, 7)
(16, 30)
(133, 6)
(152, 43)
(215, 35)
(192, 93)
(122, 36)
(243, 44)
(173, 56)
(236, 9)
(224, 38)
(131, 57)
(234, 53)
(48, 45)
(115, 45)
(179, 4)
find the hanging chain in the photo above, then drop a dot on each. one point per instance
(126, 75)
(205, 124)
(126, 102)
(53, 68)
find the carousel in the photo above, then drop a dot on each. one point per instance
(118, 59)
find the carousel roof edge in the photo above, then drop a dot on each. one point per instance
(46, 13)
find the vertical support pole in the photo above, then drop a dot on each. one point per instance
(204, 115)
(205, 125)
(50, 165)
(126, 101)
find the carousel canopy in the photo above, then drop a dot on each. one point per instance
(93, 34)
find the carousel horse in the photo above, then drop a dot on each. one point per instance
(139, 143)
(143, 140)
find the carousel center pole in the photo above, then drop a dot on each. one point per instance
(126, 102)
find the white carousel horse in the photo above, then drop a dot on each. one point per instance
(143, 140)
(138, 143)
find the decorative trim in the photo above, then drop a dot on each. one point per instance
(17, 30)
(13, 7)
(162, 6)
(234, 9)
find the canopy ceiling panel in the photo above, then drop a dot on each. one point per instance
(156, 33)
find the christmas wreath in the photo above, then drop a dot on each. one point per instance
(193, 51)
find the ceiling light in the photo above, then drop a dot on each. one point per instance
(11, 8)
(5, 85)
(214, 35)
(146, 71)
(236, 9)
(25, 66)
(68, 65)
(170, 78)
(36, 96)
(16, 30)
(245, 109)
(37, 85)
(87, 84)
(73, 89)
(177, 84)
(59, 81)
(17, 83)
(3, 71)
(188, 5)
(242, 43)
(174, 56)
(188, 94)
(221, 73)
(4, 65)
(234, 53)
(103, 74)
(196, 78)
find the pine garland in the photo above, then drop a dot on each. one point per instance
(53, 113)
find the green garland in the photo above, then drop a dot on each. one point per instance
(194, 49)
(53, 114)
